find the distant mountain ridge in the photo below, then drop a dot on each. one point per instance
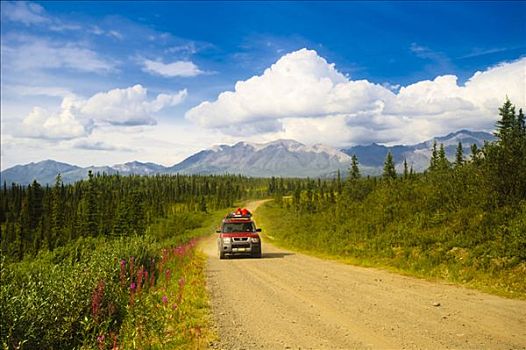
(418, 155)
(285, 158)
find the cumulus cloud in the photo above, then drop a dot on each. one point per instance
(304, 97)
(40, 123)
(174, 69)
(77, 117)
(126, 106)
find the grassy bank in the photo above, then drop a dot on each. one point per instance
(131, 292)
(436, 253)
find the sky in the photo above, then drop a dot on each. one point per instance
(103, 83)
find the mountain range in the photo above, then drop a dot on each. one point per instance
(285, 158)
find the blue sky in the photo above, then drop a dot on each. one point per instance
(109, 82)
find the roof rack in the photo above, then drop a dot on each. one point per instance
(239, 213)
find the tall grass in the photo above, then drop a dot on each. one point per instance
(100, 293)
(484, 250)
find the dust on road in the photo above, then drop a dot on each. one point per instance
(290, 300)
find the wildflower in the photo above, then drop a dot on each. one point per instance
(115, 346)
(167, 275)
(165, 299)
(131, 265)
(100, 341)
(133, 286)
(96, 299)
(152, 280)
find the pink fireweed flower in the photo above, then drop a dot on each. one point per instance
(165, 299)
(96, 299)
(179, 251)
(132, 270)
(152, 280)
(100, 341)
(133, 286)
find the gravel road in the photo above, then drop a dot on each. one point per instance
(287, 300)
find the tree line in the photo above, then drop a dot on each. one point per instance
(34, 217)
(466, 216)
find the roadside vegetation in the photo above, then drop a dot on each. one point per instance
(110, 262)
(463, 222)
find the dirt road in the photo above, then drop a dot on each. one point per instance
(289, 300)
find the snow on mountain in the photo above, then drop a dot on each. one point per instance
(277, 158)
(286, 158)
(418, 156)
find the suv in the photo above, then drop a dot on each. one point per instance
(238, 235)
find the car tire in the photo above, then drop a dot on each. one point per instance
(221, 254)
(256, 254)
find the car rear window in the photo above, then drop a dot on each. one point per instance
(238, 227)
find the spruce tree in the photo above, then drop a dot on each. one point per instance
(507, 123)
(57, 212)
(389, 167)
(505, 160)
(474, 153)
(443, 162)
(459, 156)
(90, 223)
(339, 182)
(354, 173)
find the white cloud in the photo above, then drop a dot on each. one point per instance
(115, 34)
(27, 90)
(36, 53)
(303, 97)
(174, 69)
(127, 106)
(24, 12)
(92, 145)
(77, 117)
(41, 123)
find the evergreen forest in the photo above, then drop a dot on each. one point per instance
(111, 261)
(462, 221)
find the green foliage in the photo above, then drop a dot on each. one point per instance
(506, 159)
(459, 155)
(354, 172)
(389, 167)
(36, 218)
(463, 224)
(84, 265)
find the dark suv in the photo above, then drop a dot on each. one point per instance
(238, 235)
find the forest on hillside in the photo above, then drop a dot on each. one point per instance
(110, 262)
(463, 221)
